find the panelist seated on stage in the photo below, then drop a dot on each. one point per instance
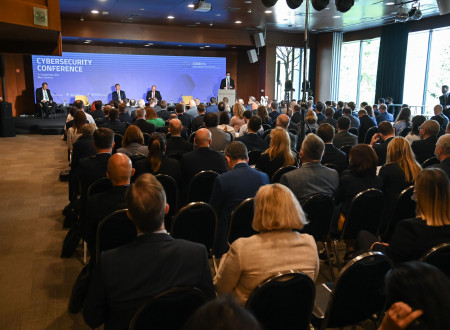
(153, 94)
(227, 82)
(45, 100)
(118, 95)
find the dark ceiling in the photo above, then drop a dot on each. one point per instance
(252, 14)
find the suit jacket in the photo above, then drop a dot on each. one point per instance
(381, 150)
(202, 159)
(442, 120)
(197, 122)
(253, 142)
(223, 83)
(354, 122)
(125, 118)
(83, 147)
(144, 126)
(444, 165)
(337, 114)
(444, 100)
(366, 123)
(115, 97)
(157, 96)
(386, 116)
(128, 276)
(40, 95)
(165, 114)
(212, 108)
(296, 117)
(229, 190)
(344, 138)
(220, 139)
(311, 178)
(93, 168)
(177, 145)
(116, 126)
(268, 166)
(186, 120)
(192, 112)
(252, 259)
(320, 116)
(424, 149)
(169, 166)
(98, 114)
(333, 155)
(331, 121)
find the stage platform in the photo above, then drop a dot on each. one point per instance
(32, 125)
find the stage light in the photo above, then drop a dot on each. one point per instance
(320, 4)
(415, 13)
(269, 3)
(344, 5)
(401, 16)
(294, 4)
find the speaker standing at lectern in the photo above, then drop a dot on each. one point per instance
(45, 100)
(227, 83)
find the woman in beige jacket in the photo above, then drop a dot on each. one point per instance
(276, 248)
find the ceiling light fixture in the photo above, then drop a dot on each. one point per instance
(294, 4)
(402, 16)
(94, 11)
(320, 4)
(269, 3)
(191, 5)
(170, 17)
(337, 16)
(415, 13)
(268, 12)
(238, 22)
(390, 3)
(344, 5)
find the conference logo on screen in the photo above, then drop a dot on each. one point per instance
(51, 64)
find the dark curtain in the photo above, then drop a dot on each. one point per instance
(392, 62)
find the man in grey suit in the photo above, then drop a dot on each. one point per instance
(220, 139)
(343, 137)
(312, 177)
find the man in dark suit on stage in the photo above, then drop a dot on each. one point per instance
(45, 100)
(424, 148)
(444, 100)
(227, 82)
(118, 95)
(127, 277)
(203, 158)
(153, 94)
(231, 188)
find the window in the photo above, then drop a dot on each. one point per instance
(358, 71)
(290, 60)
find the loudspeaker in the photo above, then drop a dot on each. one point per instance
(259, 40)
(278, 71)
(252, 56)
(7, 128)
(444, 6)
(2, 66)
(5, 110)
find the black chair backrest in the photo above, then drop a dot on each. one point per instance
(147, 138)
(266, 127)
(439, 256)
(241, 221)
(358, 291)
(114, 230)
(192, 137)
(266, 133)
(196, 222)
(346, 149)
(253, 156)
(99, 186)
(283, 301)
(430, 162)
(171, 189)
(404, 208)
(370, 133)
(366, 210)
(201, 185)
(168, 310)
(117, 141)
(279, 173)
(353, 130)
(176, 156)
(319, 212)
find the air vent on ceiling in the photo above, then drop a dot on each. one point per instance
(232, 9)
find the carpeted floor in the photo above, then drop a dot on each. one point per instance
(35, 283)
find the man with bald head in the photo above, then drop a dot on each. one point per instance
(98, 206)
(424, 148)
(203, 158)
(283, 122)
(176, 144)
(442, 152)
(440, 117)
(192, 109)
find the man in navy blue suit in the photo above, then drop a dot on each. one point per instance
(118, 95)
(384, 115)
(232, 187)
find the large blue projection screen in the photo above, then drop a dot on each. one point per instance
(95, 75)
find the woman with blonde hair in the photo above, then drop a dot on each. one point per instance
(400, 170)
(152, 117)
(311, 119)
(133, 142)
(278, 154)
(276, 248)
(412, 238)
(238, 117)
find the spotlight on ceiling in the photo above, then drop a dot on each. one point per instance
(415, 13)
(402, 16)
(320, 4)
(294, 4)
(269, 3)
(344, 5)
